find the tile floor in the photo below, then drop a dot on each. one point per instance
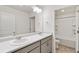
(65, 49)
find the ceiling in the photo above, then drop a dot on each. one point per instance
(24, 8)
(28, 8)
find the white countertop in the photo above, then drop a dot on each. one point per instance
(7, 46)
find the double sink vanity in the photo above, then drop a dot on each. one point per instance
(32, 43)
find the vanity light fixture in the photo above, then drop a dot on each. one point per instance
(39, 11)
(36, 9)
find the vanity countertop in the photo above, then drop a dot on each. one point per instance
(7, 46)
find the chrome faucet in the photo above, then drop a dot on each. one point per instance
(13, 33)
(19, 37)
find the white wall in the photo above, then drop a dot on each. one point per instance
(7, 24)
(38, 22)
(21, 20)
(46, 18)
(44, 21)
(22, 24)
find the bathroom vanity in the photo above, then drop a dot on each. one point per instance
(36, 43)
(41, 46)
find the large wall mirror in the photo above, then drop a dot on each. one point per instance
(16, 20)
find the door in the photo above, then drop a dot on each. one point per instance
(77, 29)
(32, 24)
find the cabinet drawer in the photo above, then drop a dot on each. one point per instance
(44, 48)
(28, 48)
(46, 39)
(36, 50)
(50, 46)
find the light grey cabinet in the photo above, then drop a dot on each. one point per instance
(42, 46)
(50, 45)
(30, 48)
(36, 50)
(46, 45)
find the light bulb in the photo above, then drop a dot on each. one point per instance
(36, 9)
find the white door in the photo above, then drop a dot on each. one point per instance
(32, 25)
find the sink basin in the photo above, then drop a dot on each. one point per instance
(42, 34)
(19, 41)
(36, 36)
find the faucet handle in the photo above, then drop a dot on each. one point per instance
(13, 33)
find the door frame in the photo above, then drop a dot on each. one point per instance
(77, 29)
(32, 18)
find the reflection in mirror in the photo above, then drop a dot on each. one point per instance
(32, 24)
(7, 24)
(15, 20)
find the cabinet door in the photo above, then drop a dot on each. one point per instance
(36, 50)
(50, 46)
(29, 48)
(44, 47)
